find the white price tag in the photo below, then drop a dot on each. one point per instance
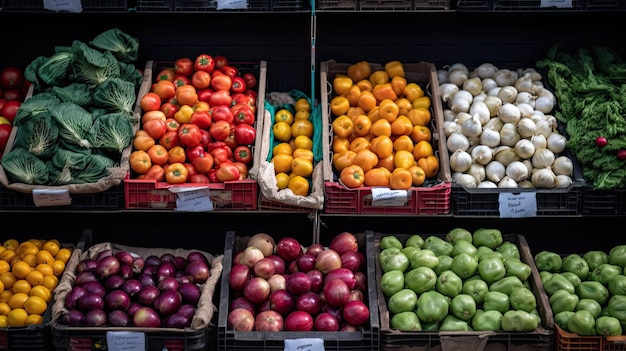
(63, 5)
(556, 3)
(387, 197)
(50, 197)
(304, 344)
(192, 199)
(232, 4)
(126, 341)
(518, 205)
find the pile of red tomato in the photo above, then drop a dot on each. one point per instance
(198, 123)
(13, 88)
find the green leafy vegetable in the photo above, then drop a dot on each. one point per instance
(97, 168)
(73, 122)
(124, 47)
(92, 66)
(36, 104)
(59, 176)
(78, 93)
(23, 167)
(38, 135)
(129, 72)
(112, 131)
(116, 95)
(56, 69)
(70, 157)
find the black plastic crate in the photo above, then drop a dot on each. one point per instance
(154, 5)
(366, 339)
(533, 5)
(604, 5)
(108, 200)
(382, 5)
(540, 339)
(473, 5)
(19, 5)
(286, 5)
(106, 5)
(427, 5)
(603, 202)
(337, 5)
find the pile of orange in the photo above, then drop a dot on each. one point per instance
(29, 272)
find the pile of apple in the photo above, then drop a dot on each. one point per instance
(281, 286)
(13, 88)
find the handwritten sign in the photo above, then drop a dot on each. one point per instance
(192, 199)
(304, 344)
(126, 341)
(51, 197)
(63, 5)
(232, 4)
(386, 197)
(556, 3)
(518, 205)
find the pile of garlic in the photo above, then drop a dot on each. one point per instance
(499, 129)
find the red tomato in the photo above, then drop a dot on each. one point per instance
(2, 101)
(9, 109)
(150, 102)
(169, 109)
(165, 74)
(204, 94)
(5, 132)
(220, 61)
(221, 82)
(205, 63)
(250, 80)
(164, 89)
(14, 94)
(219, 130)
(202, 119)
(201, 79)
(199, 178)
(203, 162)
(155, 127)
(181, 80)
(183, 66)
(220, 97)
(230, 71)
(12, 78)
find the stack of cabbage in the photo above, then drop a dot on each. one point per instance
(79, 119)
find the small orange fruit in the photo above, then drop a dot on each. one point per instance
(17, 317)
(21, 286)
(34, 319)
(20, 269)
(64, 254)
(5, 295)
(58, 267)
(35, 305)
(4, 308)
(45, 268)
(17, 300)
(50, 282)
(42, 292)
(8, 278)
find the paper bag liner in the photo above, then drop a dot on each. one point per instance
(204, 309)
(266, 177)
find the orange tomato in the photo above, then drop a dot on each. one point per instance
(158, 154)
(165, 89)
(379, 77)
(302, 104)
(302, 114)
(400, 179)
(388, 110)
(282, 180)
(353, 95)
(381, 127)
(374, 114)
(45, 257)
(282, 163)
(340, 144)
(303, 153)
(423, 149)
(341, 84)
(397, 84)
(352, 176)
(404, 106)
(419, 116)
(359, 143)
(417, 174)
(58, 267)
(303, 142)
(302, 127)
(176, 154)
(366, 159)
(362, 125)
(140, 162)
(52, 246)
(367, 101)
(422, 101)
(355, 111)
(299, 185)
(63, 254)
(378, 176)
(404, 159)
(282, 148)
(302, 167)
(155, 127)
(430, 165)
(403, 142)
(156, 114)
(421, 133)
(344, 159)
(186, 95)
(339, 105)
(412, 91)
(343, 126)
(143, 140)
(34, 277)
(382, 146)
(365, 85)
(401, 126)
(384, 91)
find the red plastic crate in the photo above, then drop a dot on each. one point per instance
(422, 201)
(150, 194)
(433, 198)
(566, 341)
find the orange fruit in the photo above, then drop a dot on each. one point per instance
(282, 180)
(27, 248)
(58, 267)
(282, 163)
(52, 247)
(30, 259)
(37, 242)
(33, 319)
(21, 286)
(44, 256)
(50, 282)
(303, 142)
(20, 269)
(8, 278)
(42, 292)
(17, 317)
(63, 254)
(44, 268)
(5, 295)
(35, 277)
(7, 255)
(1, 286)
(4, 266)
(4, 308)
(3, 321)
(11, 244)
(17, 300)
(35, 305)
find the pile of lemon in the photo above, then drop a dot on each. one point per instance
(29, 273)
(292, 154)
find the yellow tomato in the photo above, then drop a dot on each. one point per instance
(423, 149)
(299, 185)
(301, 166)
(282, 148)
(34, 319)
(282, 163)
(404, 159)
(282, 180)
(42, 292)
(302, 104)
(283, 115)
(302, 127)
(303, 153)
(339, 105)
(303, 142)
(282, 131)
(302, 114)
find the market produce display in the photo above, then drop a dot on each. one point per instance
(79, 119)
(588, 82)
(13, 90)
(463, 281)
(29, 273)
(198, 123)
(380, 124)
(587, 291)
(279, 285)
(500, 129)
